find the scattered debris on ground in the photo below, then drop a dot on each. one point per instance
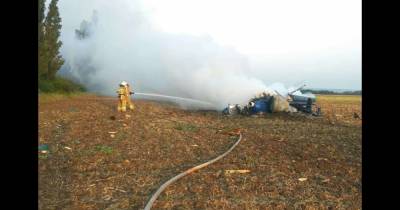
(272, 101)
(236, 171)
(159, 141)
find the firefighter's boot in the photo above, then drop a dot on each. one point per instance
(131, 106)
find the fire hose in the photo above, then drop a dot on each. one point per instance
(190, 100)
(191, 170)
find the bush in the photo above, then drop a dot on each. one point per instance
(59, 85)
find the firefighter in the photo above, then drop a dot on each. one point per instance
(128, 96)
(122, 99)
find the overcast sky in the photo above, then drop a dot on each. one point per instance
(287, 41)
(317, 41)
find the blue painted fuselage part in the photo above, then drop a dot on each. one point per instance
(261, 105)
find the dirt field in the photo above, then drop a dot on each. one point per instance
(100, 159)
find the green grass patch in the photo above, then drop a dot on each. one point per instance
(186, 127)
(43, 156)
(104, 149)
(233, 137)
(73, 109)
(59, 85)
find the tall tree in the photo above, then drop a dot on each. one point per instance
(41, 45)
(40, 15)
(52, 29)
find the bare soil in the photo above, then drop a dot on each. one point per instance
(101, 159)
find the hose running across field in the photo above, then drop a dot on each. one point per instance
(204, 104)
(172, 180)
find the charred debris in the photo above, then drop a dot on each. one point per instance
(273, 102)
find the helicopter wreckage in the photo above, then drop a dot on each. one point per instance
(273, 102)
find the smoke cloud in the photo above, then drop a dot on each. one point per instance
(105, 42)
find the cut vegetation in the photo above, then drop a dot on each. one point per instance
(285, 161)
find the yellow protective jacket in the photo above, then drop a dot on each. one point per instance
(122, 99)
(121, 92)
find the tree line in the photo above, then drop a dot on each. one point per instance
(49, 58)
(49, 26)
(330, 92)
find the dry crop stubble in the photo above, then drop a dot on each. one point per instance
(156, 143)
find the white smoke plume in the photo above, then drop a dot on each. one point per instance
(118, 42)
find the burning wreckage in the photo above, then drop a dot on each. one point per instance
(272, 102)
